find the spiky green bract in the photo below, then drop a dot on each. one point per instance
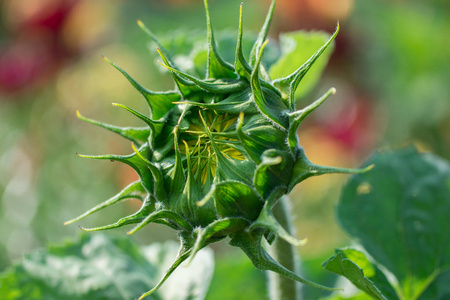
(214, 156)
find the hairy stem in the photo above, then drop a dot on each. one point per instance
(280, 287)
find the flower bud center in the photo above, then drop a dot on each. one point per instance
(207, 135)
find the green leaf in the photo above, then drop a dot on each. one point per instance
(135, 134)
(268, 102)
(216, 86)
(297, 117)
(235, 199)
(241, 65)
(134, 161)
(234, 103)
(190, 281)
(257, 135)
(160, 103)
(155, 126)
(147, 208)
(186, 204)
(175, 177)
(353, 265)
(183, 254)
(273, 172)
(98, 267)
(158, 181)
(250, 243)
(218, 229)
(156, 41)
(185, 87)
(304, 169)
(399, 213)
(217, 67)
(230, 168)
(134, 190)
(173, 217)
(268, 221)
(262, 36)
(297, 48)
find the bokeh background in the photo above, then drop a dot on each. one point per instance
(390, 67)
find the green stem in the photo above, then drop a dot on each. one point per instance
(280, 287)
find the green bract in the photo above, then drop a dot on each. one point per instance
(217, 153)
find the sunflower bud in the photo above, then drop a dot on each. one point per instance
(215, 155)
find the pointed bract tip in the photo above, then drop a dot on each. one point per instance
(207, 197)
(296, 242)
(134, 148)
(78, 114)
(241, 117)
(368, 168)
(258, 61)
(361, 170)
(138, 153)
(164, 65)
(136, 228)
(162, 56)
(82, 228)
(202, 119)
(338, 26)
(303, 242)
(143, 296)
(240, 121)
(139, 22)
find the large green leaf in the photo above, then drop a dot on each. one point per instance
(98, 267)
(399, 213)
(297, 48)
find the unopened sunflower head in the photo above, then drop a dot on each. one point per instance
(215, 155)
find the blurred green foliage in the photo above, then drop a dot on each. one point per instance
(235, 277)
(98, 266)
(399, 54)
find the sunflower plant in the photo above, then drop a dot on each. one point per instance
(217, 153)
